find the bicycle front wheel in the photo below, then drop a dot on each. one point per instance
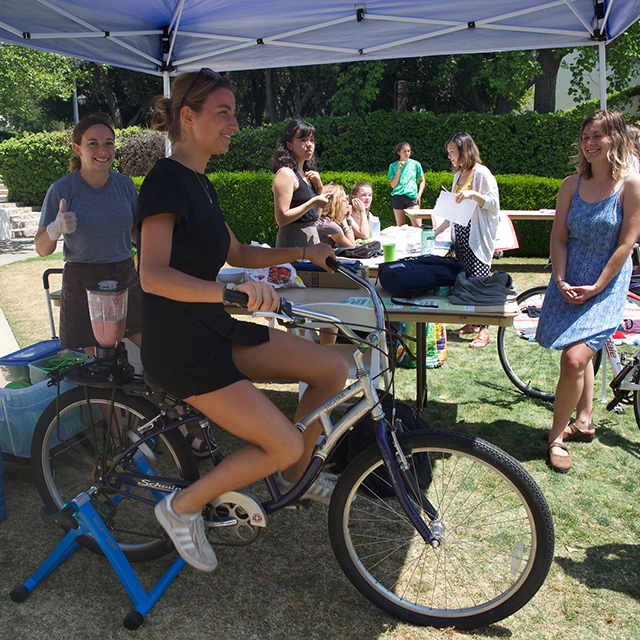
(496, 543)
(69, 456)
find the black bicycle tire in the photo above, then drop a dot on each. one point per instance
(548, 394)
(345, 530)
(174, 444)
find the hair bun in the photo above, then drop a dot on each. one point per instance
(161, 119)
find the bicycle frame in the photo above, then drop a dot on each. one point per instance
(391, 452)
(617, 366)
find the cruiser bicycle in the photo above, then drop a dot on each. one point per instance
(466, 546)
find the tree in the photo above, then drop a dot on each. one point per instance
(26, 77)
(623, 63)
(544, 100)
(125, 95)
(356, 86)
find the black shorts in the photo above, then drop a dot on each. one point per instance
(75, 324)
(403, 202)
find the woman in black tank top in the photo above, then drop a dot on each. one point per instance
(294, 197)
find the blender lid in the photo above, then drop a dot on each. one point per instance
(108, 286)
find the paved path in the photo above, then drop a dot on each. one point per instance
(12, 251)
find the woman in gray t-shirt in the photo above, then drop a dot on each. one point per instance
(93, 209)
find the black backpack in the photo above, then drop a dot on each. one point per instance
(416, 276)
(363, 435)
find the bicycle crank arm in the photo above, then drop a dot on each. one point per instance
(234, 507)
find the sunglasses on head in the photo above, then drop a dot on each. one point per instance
(203, 73)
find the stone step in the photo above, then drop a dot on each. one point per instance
(25, 232)
(23, 218)
(24, 221)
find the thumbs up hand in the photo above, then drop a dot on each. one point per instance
(65, 222)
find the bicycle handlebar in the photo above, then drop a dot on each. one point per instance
(287, 312)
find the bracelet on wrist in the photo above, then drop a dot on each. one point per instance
(559, 281)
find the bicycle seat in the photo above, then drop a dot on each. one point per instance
(151, 384)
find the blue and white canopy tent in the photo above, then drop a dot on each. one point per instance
(162, 37)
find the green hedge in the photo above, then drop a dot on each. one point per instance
(247, 202)
(529, 143)
(31, 163)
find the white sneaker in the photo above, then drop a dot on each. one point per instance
(320, 490)
(187, 534)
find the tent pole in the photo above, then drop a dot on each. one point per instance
(603, 74)
(166, 90)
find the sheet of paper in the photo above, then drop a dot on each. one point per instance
(458, 212)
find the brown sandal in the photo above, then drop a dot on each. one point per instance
(481, 341)
(468, 328)
(560, 464)
(573, 433)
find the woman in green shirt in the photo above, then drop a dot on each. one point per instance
(407, 181)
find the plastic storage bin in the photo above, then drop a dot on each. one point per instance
(39, 370)
(15, 366)
(20, 410)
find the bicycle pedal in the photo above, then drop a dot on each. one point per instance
(106, 508)
(619, 409)
(242, 505)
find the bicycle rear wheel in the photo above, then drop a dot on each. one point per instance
(496, 543)
(67, 458)
(532, 368)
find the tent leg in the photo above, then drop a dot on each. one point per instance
(166, 90)
(603, 74)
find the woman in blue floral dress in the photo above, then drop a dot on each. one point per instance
(596, 224)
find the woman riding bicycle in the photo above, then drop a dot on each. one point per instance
(191, 346)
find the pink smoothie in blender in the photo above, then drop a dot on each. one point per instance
(108, 302)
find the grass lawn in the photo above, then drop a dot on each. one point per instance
(287, 584)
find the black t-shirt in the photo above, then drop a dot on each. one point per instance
(175, 335)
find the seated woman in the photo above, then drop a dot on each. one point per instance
(192, 347)
(335, 222)
(361, 198)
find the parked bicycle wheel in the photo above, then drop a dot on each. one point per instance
(532, 368)
(70, 456)
(496, 543)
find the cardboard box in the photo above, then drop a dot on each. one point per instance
(324, 279)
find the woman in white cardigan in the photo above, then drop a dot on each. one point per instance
(473, 243)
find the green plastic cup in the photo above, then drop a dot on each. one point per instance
(389, 251)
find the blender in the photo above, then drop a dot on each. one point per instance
(108, 303)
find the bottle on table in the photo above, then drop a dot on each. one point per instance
(427, 239)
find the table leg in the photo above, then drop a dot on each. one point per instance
(421, 365)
